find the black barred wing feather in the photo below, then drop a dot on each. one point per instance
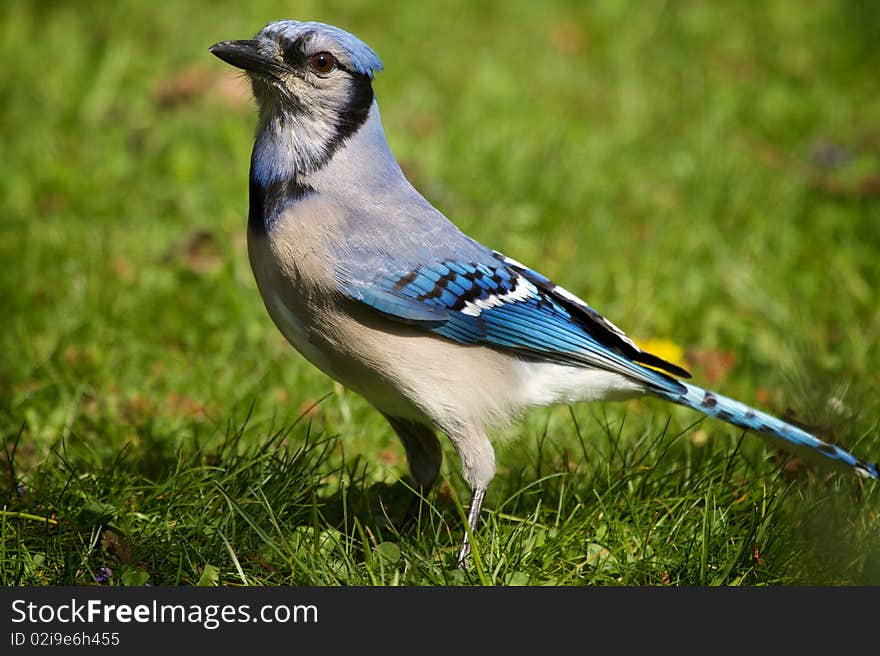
(508, 306)
(591, 321)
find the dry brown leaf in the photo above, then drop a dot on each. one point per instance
(234, 91)
(714, 363)
(123, 269)
(756, 554)
(117, 546)
(197, 81)
(567, 38)
(309, 408)
(199, 252)
(183, 86)
(389, 457)
(815, 176)
(185, 406)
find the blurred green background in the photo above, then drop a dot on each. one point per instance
(706, 174)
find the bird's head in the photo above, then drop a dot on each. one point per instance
(314, 78)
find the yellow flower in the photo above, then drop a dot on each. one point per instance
(663, 348)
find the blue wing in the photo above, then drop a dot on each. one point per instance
(501, 303)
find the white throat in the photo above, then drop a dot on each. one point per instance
(296, 147)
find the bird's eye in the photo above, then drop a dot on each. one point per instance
(322, 63)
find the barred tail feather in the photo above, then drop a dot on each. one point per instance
(782, 434)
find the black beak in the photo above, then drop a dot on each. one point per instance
(241, 54)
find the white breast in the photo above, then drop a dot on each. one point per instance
(284, 301)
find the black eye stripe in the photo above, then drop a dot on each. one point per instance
(294, 56)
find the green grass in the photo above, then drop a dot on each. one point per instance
(704, 173)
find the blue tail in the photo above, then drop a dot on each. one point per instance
(782, 434)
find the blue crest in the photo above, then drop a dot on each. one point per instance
(350, 50)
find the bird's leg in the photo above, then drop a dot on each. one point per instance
(424, 455)
(478, 468)
(464, 556)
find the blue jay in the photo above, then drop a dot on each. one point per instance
(382, 292)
